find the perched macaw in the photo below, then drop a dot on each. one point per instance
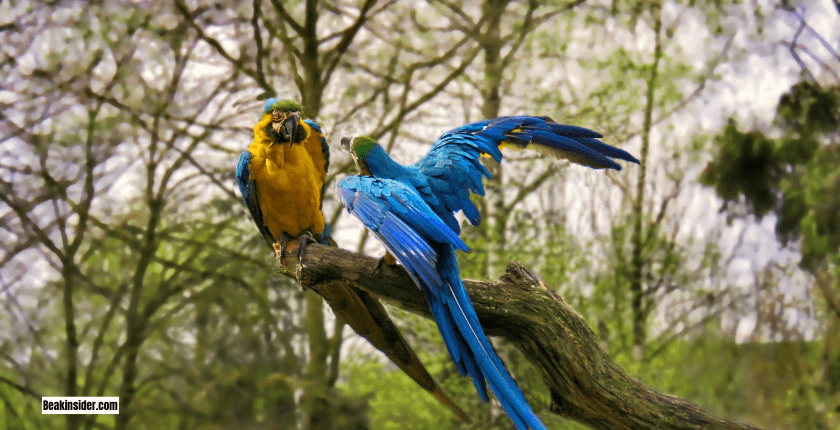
(281, 178)
(411, 210)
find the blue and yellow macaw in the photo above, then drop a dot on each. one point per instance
(411, 210)
(281, 177)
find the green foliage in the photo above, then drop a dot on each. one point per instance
(562, 257)
(746, 165)
(20, 411)
(394, 399)
(712, 371)
(796, 177)
(809, 109)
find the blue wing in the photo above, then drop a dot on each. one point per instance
(325, 148)
(248, 188)
(453, 165)
(577, 144)
(401, 220)
(420, 240)
(325, 151)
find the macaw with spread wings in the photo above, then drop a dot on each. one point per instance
(411, 210)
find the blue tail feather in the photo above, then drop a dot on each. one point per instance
(454, 295)
(460, 352)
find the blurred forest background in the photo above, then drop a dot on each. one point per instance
(129, 266)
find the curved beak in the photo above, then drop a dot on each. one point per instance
(345, 142)
(288, 130)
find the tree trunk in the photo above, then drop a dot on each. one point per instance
(585, 384)
(638, 261)
(491, 44)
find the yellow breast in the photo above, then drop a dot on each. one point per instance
(288, 184)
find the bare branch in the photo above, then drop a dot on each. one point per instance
(585, 384)
(255, 24)
(796, 57)
(803, 48)
(528, 189)
(663, 208)
(278, 6)
(189, 17)
(409, 107)
(18, 387)
(455, 7)
(816, 35)
(530, 23)
(334, 56)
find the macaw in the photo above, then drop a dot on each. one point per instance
(281, 177)
(411, 210)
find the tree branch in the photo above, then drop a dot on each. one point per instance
(526, 190)
(585, 384)
(21, 388)
(818, 60)
(333, 57)
(278, 6)
(792, 48)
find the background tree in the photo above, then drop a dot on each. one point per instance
(129, 266)
(795, 179)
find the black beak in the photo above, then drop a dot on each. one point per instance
(345, 142)
(289, 129)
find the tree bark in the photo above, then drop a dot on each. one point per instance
(585, 384)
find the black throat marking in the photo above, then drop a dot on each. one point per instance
(275, 136)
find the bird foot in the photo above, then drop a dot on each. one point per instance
(280, 250)
(303, 241)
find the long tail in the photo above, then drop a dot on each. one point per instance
(366, 315)
(469, 347)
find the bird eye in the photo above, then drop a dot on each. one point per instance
(276, 115)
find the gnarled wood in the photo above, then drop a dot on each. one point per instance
(585, 384)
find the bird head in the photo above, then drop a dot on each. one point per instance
(285, 121)
(359, 148)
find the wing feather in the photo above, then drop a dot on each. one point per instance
(453, 164)
(318, 148)
(401, 220)
(250, 194)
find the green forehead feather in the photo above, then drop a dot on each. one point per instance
(362, 145)
(283, 105)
